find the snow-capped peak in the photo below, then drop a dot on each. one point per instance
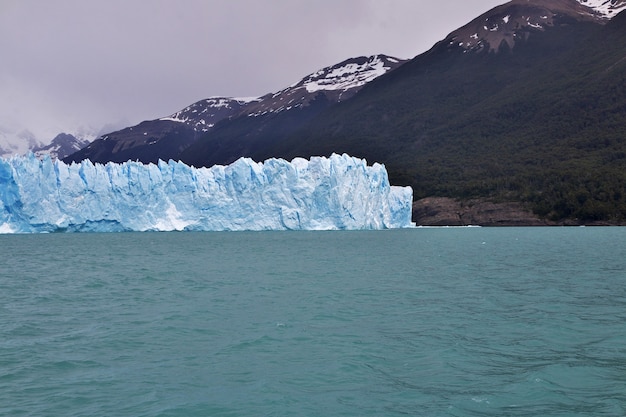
(515, 21)
(607, 9)
(337, 83)
(62, 145)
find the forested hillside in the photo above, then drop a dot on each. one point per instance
(543, 123)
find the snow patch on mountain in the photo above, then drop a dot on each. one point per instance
(337, 83)
(203, 115)
(348, 75)
(605, 8)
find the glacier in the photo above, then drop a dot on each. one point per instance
(339, 192)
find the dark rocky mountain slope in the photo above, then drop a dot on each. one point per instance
(163, 138)
(243, 121)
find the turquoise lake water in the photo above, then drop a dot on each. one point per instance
(420, 322)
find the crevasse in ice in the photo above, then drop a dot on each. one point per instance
(339, 192)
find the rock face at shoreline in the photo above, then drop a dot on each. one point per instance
(443, 211)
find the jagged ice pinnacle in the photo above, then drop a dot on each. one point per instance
(339, 192)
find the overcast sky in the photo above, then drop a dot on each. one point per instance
(71, 63)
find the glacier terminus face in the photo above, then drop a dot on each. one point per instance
(335, 193)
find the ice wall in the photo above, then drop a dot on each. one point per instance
(339, 192)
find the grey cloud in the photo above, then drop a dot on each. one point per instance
(97, 62)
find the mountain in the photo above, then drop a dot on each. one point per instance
(162, 138)
(166, 138)
(62, 145)
(526, 103)
(202, 115)
(266, 122)
(335, 83)
(514, 22)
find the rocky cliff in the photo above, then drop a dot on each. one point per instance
(442, 211)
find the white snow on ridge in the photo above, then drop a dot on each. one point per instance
(335, 193)
(218, 102)
(203, 107)
(349, 76)
(245, 100)
(175, 119)
(606, 8)
(337, 82)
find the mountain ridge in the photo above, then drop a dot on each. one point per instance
(514, 21)
(167, 137)
(63, 145)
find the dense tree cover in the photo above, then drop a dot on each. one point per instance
(544, 123)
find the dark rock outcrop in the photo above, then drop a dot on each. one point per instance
(442, 211)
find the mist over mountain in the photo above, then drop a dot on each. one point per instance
(23, 142)
(17, 143)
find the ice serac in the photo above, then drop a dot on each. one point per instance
(339, 192)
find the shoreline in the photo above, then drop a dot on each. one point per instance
(445, 211)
